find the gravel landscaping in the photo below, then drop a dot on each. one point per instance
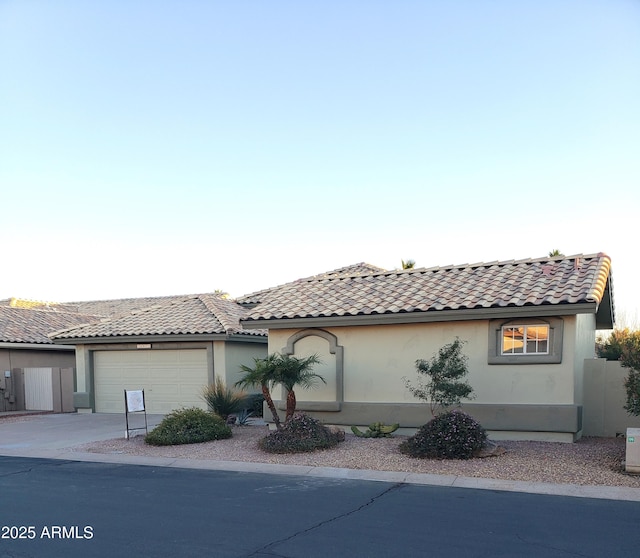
(590, 461)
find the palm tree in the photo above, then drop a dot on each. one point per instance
(285, 370)
(292, 372)
(555, 254)
(263, 374)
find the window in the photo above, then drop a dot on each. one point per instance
(530, 341)
(525, 340)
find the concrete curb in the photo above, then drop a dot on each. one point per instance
(550, 489)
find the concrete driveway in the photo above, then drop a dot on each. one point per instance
(29, 435)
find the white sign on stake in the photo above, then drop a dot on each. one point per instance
(135, 401)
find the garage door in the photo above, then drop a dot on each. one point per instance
(171, 379)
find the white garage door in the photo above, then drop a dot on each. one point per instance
(170, 379)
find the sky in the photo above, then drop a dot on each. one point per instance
(153, 148)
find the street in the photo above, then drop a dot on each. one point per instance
(52, 508)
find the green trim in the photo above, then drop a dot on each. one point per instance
(510, 418)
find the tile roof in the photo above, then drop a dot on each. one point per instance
(361, 268)
(529, 282)
(31, 325)
(119, 306)
(198, 314)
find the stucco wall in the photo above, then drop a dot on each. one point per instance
(376, 358)
(585, 346)
(237, 354)
(604, 399)
(29, 358)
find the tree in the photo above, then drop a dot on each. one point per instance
(445, 371)
(262, 374)
(630, 358)
(285, 370)
(409, 264)
(611, 347)
(556, 253)
(294, 372)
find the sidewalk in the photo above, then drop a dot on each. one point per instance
(51, 435)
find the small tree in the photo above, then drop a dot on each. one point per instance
(292, 372)
(262, 374)
(612, 346)
(445, 371)
(630, 358)
(285, 370)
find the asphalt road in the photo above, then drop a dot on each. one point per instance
(71, 509)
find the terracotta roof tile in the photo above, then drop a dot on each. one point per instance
(361, 268)
(530, 282)
(199, 314)
(31, 325)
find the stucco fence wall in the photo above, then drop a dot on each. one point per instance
(604, 399)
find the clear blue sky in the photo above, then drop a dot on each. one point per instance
(165, 147)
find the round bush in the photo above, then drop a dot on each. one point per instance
(451, 435)
(188, 426)
(302, 433)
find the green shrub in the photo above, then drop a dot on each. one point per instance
(302, 433)
(188, 426)
(254, 403)
(222, 400)
(445, 371)
(451, 435)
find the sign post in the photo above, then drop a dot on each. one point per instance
(134, 403)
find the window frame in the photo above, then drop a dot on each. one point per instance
(554, 341)
(526, 340)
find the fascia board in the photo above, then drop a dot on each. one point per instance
(143, 339)
(426, 317)
(36, 346)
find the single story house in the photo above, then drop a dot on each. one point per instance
(35, 372)
(528, 325)
(171, 349)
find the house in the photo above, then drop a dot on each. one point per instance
(171, 349)
(35, 372)
(528, 325)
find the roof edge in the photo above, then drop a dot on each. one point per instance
(425, 317)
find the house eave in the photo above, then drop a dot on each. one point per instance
(426, 317)
(36, 346)
(164, 339)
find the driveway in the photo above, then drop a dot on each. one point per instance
(28, 435)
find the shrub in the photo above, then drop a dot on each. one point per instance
(624, 345)
(300, 434)
(630, 359)
(188, 426)
(451, 435)
(445, 372)
(222, 400)
(255, 403)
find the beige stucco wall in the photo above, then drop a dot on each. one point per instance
(604, 399)
(376, 358)
(585, 346)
